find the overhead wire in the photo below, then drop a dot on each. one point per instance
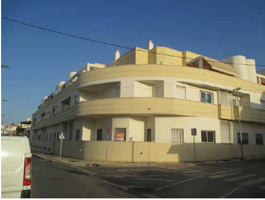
(116, 45)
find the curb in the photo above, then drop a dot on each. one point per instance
(161, 165)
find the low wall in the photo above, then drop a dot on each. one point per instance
(152, 151)
(43, 146)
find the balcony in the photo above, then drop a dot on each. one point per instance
(147, 106)
(153, 106)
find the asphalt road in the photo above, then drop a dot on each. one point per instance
(233, 179)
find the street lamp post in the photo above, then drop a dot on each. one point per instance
(239, 123)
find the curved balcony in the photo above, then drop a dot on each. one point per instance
(147, 106)
(152, 106)
(152, 70)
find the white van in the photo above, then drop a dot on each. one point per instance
(15, 167)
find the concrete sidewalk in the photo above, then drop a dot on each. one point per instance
(85, 163)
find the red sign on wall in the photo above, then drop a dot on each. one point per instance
(119, 137)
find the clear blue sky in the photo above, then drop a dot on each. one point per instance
(39, 59)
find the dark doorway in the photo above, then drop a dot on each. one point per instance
(54, 143)
(99, 135)
(149, 135)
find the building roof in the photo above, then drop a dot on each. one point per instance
(221, 67)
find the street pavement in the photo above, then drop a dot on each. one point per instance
(227, 179)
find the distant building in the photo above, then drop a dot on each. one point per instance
(8, 129)
(24, 128)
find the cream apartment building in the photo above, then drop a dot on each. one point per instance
(156, 94)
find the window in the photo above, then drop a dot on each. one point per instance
(208, 136)
(206, 97)
(180, 92)
(53, 110)
(149, 135)
(117, 91)
(77, 135)
(66, 103)
(244, 138)
(259, 139)
(101, 96)
(99, 135)
(65, 129)
(43, 116)
(71, 131)
(75, 99)
(58, 134)
(158, 90)
(177, 135)
(120, 134)
(43, 132)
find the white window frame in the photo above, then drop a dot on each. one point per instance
(207, 131)
(206, 94)
(262, 138)
(181, 133)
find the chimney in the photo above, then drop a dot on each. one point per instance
(117, 55)
(71, 74)
(60, 84)
(43, 100)
(150, 45)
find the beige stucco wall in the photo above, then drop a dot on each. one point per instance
(87, 95)
(109, 92)
(163, 126)
(250, 128)
(129, 74)
(104, 123)
(143, 89)
(159, 55)
(121, 122)
(137, 128)
(154, 152)
(89, 129)
(150, 124)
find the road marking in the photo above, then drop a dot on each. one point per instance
(240, 177)
(92, 173)
(231, 192)
(263, 187)
(221, 172)
(186, 172)
(251, 182)
(151, 179)
(223, 175)
(184, 181)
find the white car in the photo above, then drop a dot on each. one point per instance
(15, 167)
